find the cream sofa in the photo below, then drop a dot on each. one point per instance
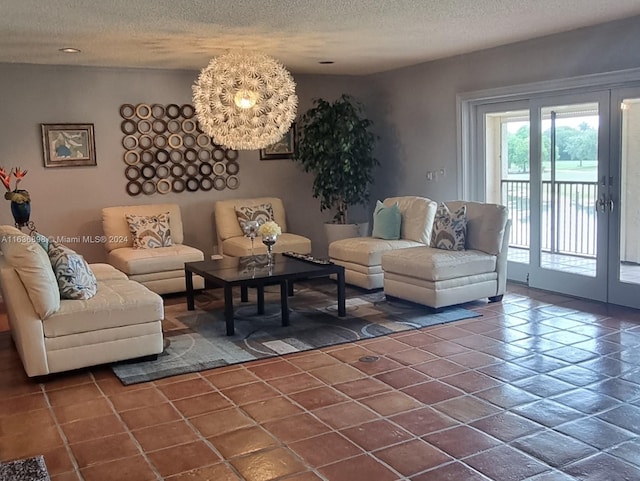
(232, 240)
(361, 257)
(123, 320)
(161, 269)
(439, 278)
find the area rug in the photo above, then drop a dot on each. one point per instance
(198, 339)
(29, 469)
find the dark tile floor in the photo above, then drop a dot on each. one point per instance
(540, 388)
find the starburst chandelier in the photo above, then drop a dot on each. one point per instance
(245, 101)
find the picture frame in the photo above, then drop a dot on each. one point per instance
(283, 149)
(68, 145)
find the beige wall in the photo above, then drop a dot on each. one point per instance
(413, 109)
(66, 202)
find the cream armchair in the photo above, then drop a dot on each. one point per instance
(231, 239)
(161, 269)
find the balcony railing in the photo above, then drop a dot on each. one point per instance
(569, 220)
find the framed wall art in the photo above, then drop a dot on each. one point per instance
(68, 145)
(283, 149)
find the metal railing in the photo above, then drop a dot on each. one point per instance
(569, 218)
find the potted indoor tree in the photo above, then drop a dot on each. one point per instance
(335, 143)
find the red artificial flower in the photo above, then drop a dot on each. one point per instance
(19, 174)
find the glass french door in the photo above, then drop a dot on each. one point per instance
(623, 200)
(547, 159)
(570, 194)
(568, 169)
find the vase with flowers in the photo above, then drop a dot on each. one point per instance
(20, 199)
(269, 231)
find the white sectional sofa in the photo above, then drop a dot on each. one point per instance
(123, 320)
(410, 268)
(161, 269)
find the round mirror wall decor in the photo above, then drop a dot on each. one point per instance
(165, 150)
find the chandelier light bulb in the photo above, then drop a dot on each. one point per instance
(245, 101)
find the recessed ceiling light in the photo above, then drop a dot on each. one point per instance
(325, 62)
(69, 50)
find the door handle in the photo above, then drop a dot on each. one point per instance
(602, 204)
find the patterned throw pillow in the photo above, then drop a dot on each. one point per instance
(150, 231)
(449, 229)
(74, 276)
(260, 213)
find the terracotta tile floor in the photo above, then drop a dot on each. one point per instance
(540, 388)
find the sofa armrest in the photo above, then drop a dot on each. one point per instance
(485, 225)
(26, 325)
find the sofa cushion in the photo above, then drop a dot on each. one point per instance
(432, 264)
(75, 278)
(105, 272)
(486, 225)
(417, 217)
(241, 246)
(118, 302)
(366, 251)
(34, 269)
(150, 231)
(117, 231)
(260, 213)
(227, 224)
(449, 228)
(386, 221)
(133, 261)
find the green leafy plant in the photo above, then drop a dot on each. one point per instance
(336, 144)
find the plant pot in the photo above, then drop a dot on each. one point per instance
(345, 231)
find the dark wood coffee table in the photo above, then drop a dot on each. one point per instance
(253, 272)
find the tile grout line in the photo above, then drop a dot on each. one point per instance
(63, 436)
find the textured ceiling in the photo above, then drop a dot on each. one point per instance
(360, 36)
